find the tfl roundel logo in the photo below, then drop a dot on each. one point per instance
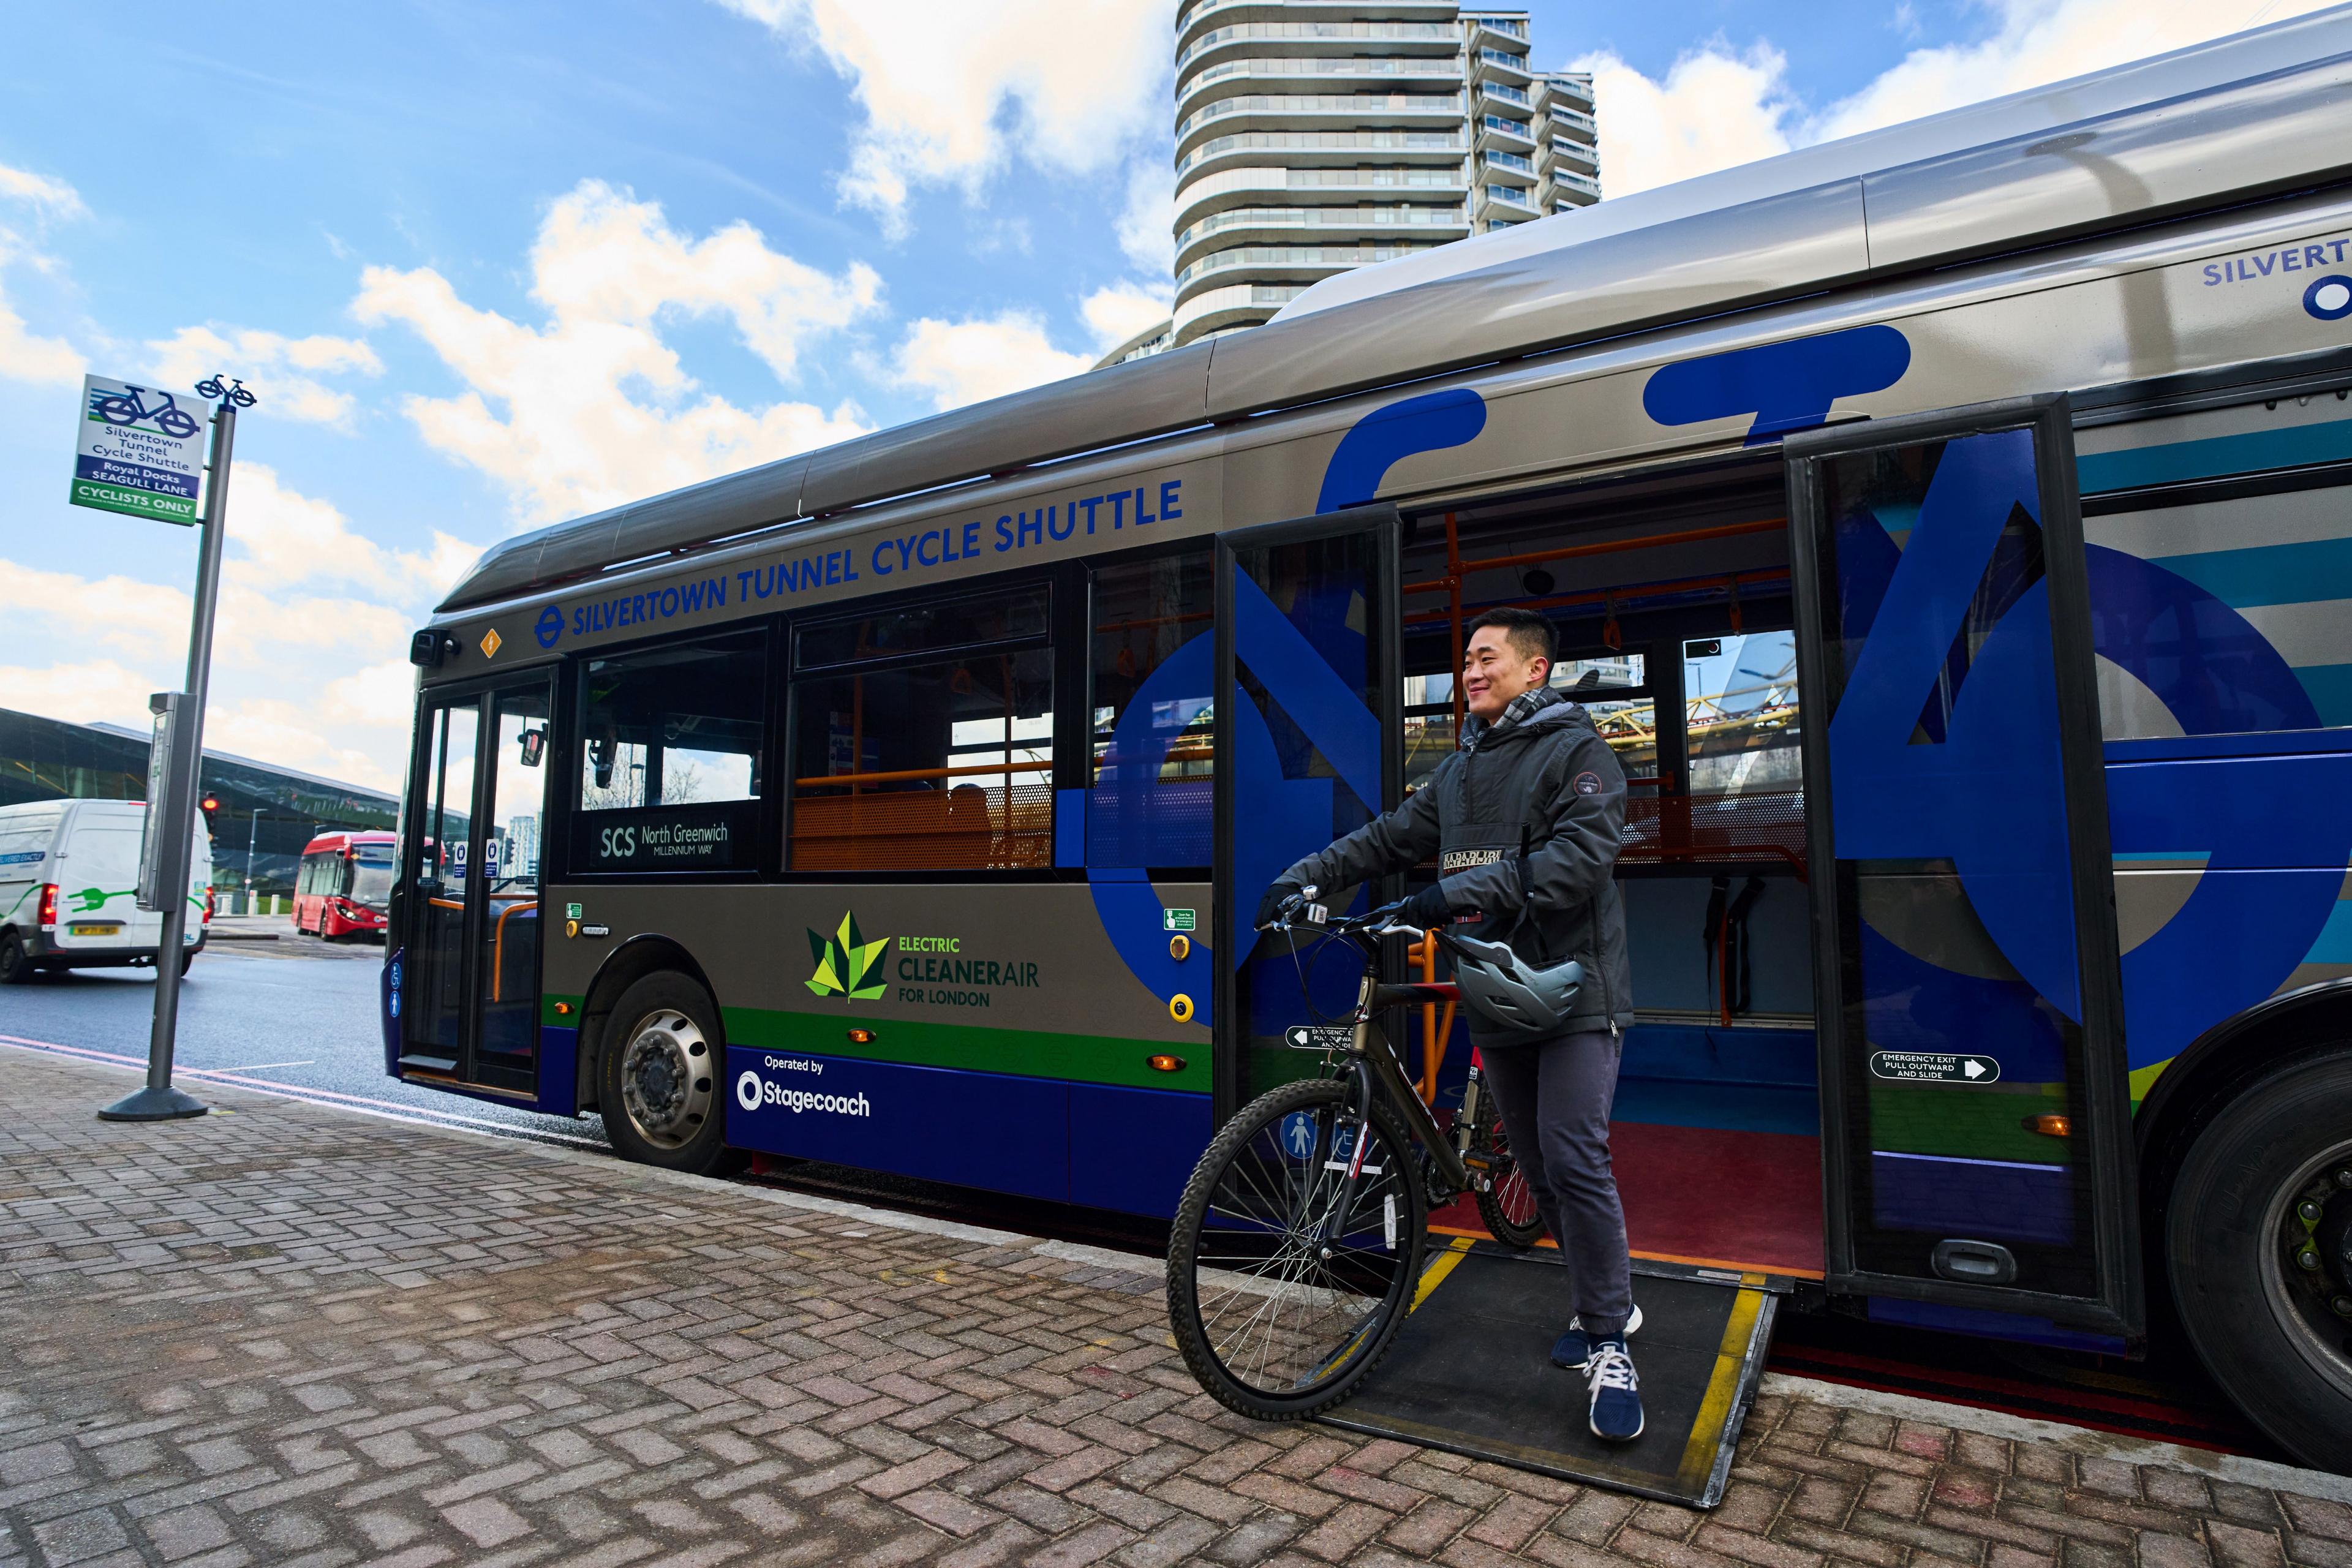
(550, 625)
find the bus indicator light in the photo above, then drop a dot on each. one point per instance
(563, 1009)
(1164, 1062)
(2051, 1126)
(861, 1037)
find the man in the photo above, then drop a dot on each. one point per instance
(1526, 819)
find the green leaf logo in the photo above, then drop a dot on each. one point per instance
(843, 961)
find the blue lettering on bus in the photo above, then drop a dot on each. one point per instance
(1090, 503)
(2290, 258)
(636, 609)
(1118, 509)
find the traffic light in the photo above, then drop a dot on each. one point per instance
(209, 805)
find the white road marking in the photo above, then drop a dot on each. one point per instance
(263, 1066)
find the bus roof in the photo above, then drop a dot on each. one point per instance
(2257, 113)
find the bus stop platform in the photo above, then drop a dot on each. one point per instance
(287, 1334)
(1471, 1371)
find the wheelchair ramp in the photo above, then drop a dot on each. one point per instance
(1471, 1371)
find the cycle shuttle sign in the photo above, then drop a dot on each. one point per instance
(140, 452)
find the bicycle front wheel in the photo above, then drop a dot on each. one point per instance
(1280, 1302)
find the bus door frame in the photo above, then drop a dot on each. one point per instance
(2105, 1145)
(1235, 907)
(483, 691)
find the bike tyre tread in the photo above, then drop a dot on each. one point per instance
(1182, 1289)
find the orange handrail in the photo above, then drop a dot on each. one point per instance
(1434, 1034)
(905, 775)
(1458, 568)
(499, 946)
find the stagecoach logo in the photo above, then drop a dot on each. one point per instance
(844, 962)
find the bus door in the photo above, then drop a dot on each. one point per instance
(470, 996)
(1307, 738)
(1974, 1139)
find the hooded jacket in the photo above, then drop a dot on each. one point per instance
(1525, 819)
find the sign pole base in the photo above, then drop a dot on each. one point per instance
(152, 1104)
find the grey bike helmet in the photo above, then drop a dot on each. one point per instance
(1510, 993)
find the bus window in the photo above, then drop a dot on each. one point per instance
(1740, 695)
(924, 738)
(1149, 803)
(669, 757)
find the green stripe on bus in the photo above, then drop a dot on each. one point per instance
(1955, 1122)
(1083, 1058)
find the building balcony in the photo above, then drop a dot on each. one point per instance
(1490, 31)
(1494, 65)
(1576, 120)
(1573, 155)
(1317, 111)
(1270, 264)
(1229, 308)
(1204, 14)
(1275, 226)
(1223, 190)
(1572, 92)
(1508, 167)
(1496, 134)
(1319, 149)
(1509, 197)
(1503, 92)
(1343, 73)
(1330, 39)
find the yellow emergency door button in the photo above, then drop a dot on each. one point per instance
(1180, 1007)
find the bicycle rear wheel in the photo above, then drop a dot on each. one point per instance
(1280, 1303)
(1507, 1204)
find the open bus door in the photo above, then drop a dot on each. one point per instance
(1975, 1143)
(1308, 739)
(468, 1003)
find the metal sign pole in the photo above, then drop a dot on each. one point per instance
(159, 1101)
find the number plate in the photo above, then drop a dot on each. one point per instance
(96, 927)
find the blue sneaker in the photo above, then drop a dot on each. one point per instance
(1616, 1392)
(1573, 1349)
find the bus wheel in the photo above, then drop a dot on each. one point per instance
(661, 1078)
(2259, 1246)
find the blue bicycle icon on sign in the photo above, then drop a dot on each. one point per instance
(168, 417)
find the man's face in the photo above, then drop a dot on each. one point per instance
(1494, 672)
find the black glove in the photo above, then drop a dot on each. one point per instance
(1277, 894)
(1426, 909)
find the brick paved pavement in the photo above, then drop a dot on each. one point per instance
(287, 1335)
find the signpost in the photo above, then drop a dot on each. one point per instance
(126, 465)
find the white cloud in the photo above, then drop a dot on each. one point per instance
(25, 356)
(1146, 223)
(50, 196)
(1718, 106)
(1118, 312)
(281, 371)
(958, 362)
(87, 692)
(553, 412)
(279, 536)
(383, 695)
(952, 87)
(279, 732)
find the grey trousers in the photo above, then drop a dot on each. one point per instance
(1554, 1096)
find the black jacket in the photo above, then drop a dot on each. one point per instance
(1525, 820)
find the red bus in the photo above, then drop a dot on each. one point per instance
(345, 882)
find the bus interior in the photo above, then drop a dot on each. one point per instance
(1670, 596)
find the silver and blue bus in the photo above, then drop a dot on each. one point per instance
(1951, 527)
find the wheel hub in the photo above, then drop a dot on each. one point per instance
(2319, 1247)
(665, 1079)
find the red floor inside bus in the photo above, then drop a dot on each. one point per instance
(1670, 596)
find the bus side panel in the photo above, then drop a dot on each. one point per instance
(1134, 1148)
(976, 1129)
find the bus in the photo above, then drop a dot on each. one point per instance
(345, 885)
(1950, 526)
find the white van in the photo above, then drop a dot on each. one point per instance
(69, 888)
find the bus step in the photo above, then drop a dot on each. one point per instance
(1471, 1371)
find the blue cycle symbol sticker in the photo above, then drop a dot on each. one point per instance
(2329, 298)
(1298, 1135)
(550, 625)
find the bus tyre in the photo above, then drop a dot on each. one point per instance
(660, 1077)
(2258, 1241)
(16, 964)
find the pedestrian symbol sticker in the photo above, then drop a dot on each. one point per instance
(1934, 1067)
(1298, 1135)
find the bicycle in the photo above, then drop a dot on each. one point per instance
(1299, 1241)
(170, 418)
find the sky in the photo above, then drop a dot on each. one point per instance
(492, 267)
